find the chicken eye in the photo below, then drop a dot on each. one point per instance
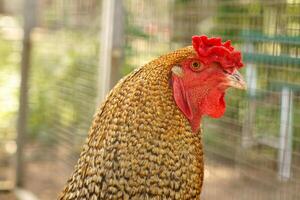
(225, 72)
(196, 66)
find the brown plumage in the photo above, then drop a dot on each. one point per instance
(145, 141)
(140, 145)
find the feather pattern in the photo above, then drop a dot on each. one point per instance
(140, 145)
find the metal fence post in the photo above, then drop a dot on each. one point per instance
(29, 22)
(248, 126)
(286, 134)
(111, 41)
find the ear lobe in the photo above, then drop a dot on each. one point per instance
(181, 98)
(177, 70)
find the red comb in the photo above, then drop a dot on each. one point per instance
(213, 50)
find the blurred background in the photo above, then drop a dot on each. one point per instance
(59, 57)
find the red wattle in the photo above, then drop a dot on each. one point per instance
(193, 104)
(214, 104)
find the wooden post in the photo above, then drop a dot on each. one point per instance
(111, 41)
(29, 22)
(286, 135)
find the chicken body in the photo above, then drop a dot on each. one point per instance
(140, 145)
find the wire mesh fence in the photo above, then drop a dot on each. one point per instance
(63, 90)
(253, 152)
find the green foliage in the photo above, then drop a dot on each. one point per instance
(9, 84)
(182, 1)
(132, 32)
(63, 82)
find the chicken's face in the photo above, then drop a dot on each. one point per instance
(200, 81)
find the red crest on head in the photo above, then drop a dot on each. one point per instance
(213, 50)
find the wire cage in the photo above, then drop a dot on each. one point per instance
(63, 90)
(253, 152)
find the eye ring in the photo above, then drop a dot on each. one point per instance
(196, 66)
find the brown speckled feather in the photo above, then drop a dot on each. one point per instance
(140, 145)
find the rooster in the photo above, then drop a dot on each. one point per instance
(145, 140)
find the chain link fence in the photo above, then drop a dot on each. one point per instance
(253, 152)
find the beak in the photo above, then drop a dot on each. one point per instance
(236, 80)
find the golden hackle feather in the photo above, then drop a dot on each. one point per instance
(140, 146)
